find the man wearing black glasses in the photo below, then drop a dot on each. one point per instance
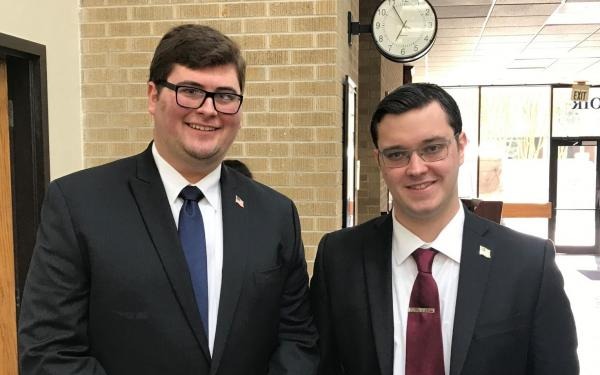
(432, 289)
(168, 262)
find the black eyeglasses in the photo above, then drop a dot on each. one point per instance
(431, 152)
(193, 97)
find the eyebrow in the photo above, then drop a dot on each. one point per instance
(200, 86)
(423, 143)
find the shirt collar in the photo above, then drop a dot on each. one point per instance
(448, 242)
(174, 181)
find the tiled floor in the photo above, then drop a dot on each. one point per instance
(582, 284)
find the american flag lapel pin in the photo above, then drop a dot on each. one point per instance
(485, 252)
(239, 201)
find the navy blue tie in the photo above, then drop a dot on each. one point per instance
(191, 235)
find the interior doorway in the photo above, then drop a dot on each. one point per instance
(24, 175)
(8, 323)
(575, 195)
(28, 135)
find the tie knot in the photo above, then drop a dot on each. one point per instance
(424, 259)
(191, 193)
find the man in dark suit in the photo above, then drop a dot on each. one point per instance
(487, 299)
(112, 287)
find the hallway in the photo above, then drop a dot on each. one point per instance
(582, 283)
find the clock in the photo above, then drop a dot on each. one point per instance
(404, 30)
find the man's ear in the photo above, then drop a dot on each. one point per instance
(376, 155)
(152, 96)
(462, 142)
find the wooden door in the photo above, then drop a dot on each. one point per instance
(8, 314)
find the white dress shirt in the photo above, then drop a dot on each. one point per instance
(212, 216)
(446, 265)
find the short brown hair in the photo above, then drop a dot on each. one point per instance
(195, 46)
(413, 96)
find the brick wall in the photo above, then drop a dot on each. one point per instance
(297, 57)
(368, 96)
(377, 76)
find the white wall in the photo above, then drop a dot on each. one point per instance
(54, 24)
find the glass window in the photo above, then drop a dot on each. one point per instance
(467, 99)
(576, 195)
(575, 119)
(514, 144)
(514, 150)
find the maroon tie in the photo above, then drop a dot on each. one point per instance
(424, 352)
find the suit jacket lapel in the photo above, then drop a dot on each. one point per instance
(377, 259)
(149, 193)
(474, 269)
(236, 215)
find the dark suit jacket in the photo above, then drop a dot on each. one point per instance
(109, 292)
(512, 315)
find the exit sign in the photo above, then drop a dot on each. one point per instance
(580, 91)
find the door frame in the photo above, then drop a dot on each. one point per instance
(30, 162)
(8, 317)
(25, 170)
(555, 143)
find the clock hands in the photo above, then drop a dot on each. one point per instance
(402, 28)
(402, 21)
(396, 11)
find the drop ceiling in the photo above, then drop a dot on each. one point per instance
(513, 42)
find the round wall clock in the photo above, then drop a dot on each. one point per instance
(404, 30)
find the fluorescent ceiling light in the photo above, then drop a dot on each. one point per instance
(575, 14)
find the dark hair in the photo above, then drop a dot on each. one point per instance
(238, 166)
(195, 46)
(414, 96)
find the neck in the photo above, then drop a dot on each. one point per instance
(193, 170)
(426, 228)
(425, 231)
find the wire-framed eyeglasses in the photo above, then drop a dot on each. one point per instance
(396, 157)
(194, 97)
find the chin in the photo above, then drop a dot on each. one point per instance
(425, 210)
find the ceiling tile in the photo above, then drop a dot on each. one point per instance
(523, 10)
(459, 23)
(514, 36)
(515, 30)
(516, 21)
(462, 11)
(569, 29)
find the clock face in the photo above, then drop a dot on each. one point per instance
(404, 30)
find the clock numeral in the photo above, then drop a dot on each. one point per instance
(426, 12)
(402, 51)
(429, 24)
(416, 48)
(377, 25)
(381, 38)
(426, 38)
(390, 47)
(382, 12)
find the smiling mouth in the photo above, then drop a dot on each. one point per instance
(422, 186)
(200, 127)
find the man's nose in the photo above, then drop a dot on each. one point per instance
(415, 165)
(208, 106)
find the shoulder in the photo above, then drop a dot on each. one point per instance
(109, 170)
(507, 242)
(98, 181)
(352, 239)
